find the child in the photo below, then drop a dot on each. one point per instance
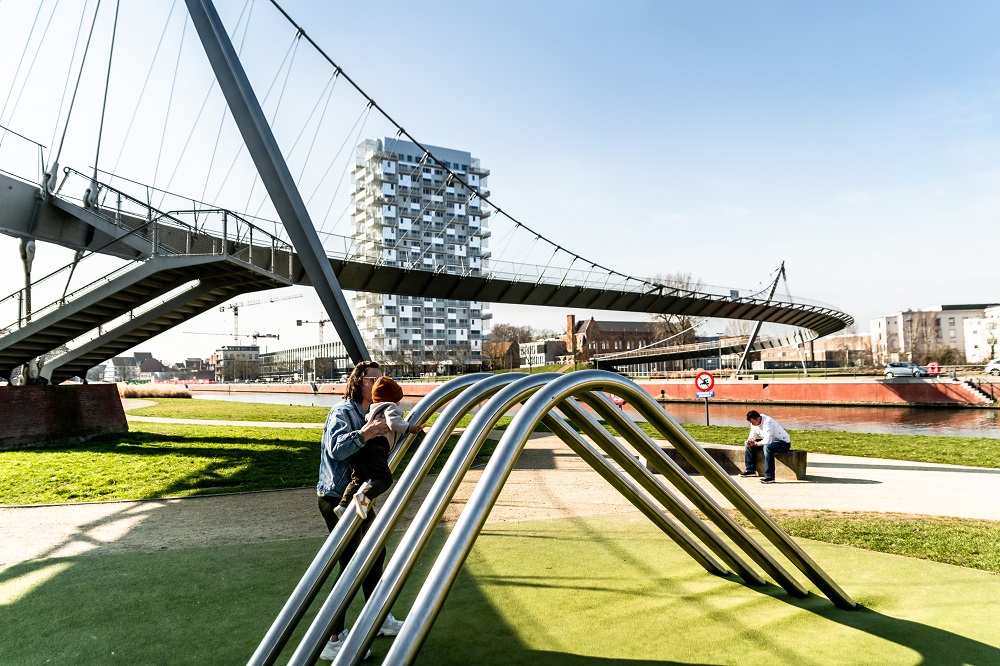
(370, 475)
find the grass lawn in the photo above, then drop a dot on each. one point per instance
(225, 410)
(970, 451)
(171, 460)
(572, 591)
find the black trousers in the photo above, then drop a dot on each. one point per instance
(326, 506)
(371, 463)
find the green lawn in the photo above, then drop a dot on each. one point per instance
(971, 451)
(227, 410)
(583, 591)
(171, 460)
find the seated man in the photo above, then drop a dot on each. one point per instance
(768, 433)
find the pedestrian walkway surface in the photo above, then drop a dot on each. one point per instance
(550, 481)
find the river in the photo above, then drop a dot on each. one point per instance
(940, 421)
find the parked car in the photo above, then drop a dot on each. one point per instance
(993, 367)
(904, 369)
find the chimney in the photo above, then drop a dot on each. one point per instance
(571, 333)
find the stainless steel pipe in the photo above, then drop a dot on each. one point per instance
(324, 561)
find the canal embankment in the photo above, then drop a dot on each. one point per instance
(867, 391)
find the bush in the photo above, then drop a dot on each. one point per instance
(152, 391)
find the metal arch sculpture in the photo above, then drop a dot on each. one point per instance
(541, 395)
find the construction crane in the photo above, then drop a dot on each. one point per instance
(252, 336)
(321, 322)
(235, 307)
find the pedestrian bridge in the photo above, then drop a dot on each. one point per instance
(181, 263)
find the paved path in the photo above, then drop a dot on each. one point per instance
(549, 481)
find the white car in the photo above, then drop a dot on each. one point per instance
(993, 367)
(904, 369)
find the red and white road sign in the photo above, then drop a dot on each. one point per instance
(704, 381)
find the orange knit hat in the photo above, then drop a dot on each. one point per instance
(386, 390)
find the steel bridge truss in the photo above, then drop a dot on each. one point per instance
(542, 395)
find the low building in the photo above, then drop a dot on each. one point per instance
(542, 352)
(982, 335)
(237, 363)
(316, 363)
(912, 335)
(835, 351)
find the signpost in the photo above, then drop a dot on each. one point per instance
(705, 382)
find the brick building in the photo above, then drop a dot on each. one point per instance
(591, 337)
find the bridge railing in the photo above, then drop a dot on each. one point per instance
(53, 291)
(21, 157)
(196, 231)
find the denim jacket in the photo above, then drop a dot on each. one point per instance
(341, 439)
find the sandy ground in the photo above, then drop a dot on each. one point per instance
(549, 481)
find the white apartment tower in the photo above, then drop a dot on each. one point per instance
(409, 213)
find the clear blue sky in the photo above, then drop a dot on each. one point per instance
(857, 141)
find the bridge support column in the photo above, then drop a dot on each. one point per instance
(274, 172)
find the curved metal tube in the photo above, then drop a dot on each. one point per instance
(702, 500)
(442, 576)
(324, 561)
(713, 472)
(415, 540)
(622, 484)
(402, 493)
(654, 486)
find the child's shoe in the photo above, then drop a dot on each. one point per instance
(361, 505)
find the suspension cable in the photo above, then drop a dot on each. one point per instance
(274, 115)
(409, 136)
(69, 71)
(145, 83)
(24, 52)
(107, 84)
(361, 129)
(76, 87)
(263, 101)
(222, 115)
(170, 99)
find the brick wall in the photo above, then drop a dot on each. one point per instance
(58, 415)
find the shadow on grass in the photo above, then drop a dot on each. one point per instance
(934, 645)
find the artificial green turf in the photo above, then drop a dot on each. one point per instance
(592, 590)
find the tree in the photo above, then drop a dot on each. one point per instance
(676, 329)
(512, 333)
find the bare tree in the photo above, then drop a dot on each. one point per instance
(512, 333)
(678, 328)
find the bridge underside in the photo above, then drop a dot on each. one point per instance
(230, 265)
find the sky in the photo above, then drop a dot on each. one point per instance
(858, 142)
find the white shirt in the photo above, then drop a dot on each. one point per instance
(768, 431)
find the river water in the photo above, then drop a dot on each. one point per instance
(940, 421)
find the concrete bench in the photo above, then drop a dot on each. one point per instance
(789, 465)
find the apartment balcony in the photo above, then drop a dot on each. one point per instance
(479, 171)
